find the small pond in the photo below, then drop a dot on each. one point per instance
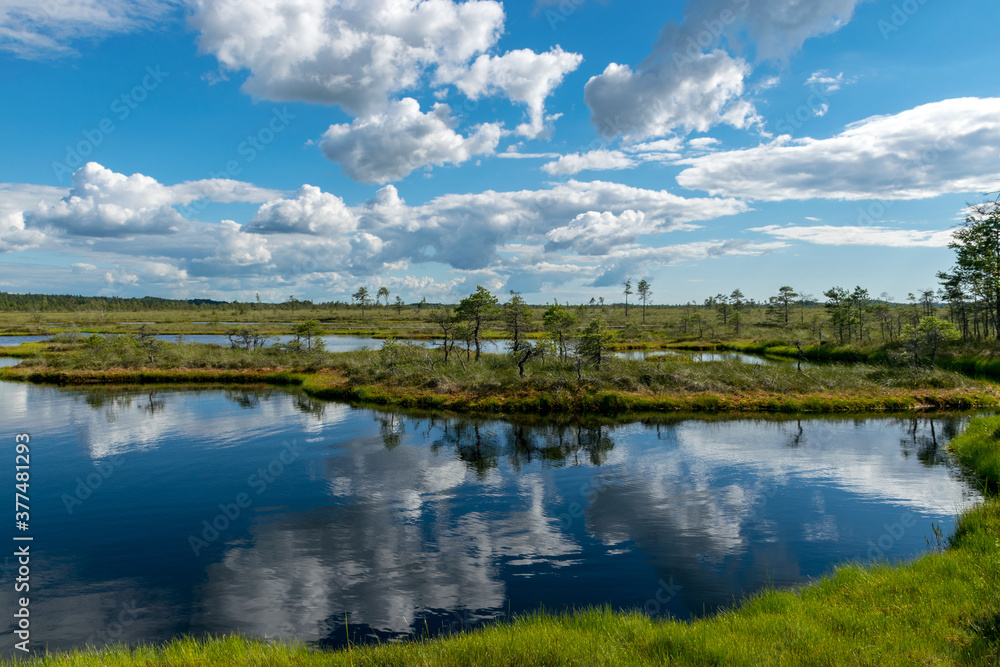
(156, 514)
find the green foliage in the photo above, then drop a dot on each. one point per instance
(595, 341)
(560, 323)
(62, 303)
(249, 338)
(926, 340)
(645, 291)
(786, 295)
(936, 333)
(517, 316)
(477, 310)
(631, 332)
(736, 300)
(973, 285)
(310, 331)
(362, 298)
(978, 449)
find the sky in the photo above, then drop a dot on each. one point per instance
(229, 148)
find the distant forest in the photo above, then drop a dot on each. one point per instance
(66, 303)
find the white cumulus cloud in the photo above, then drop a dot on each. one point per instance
(355, 53)
(595, 233)
(597, 160)
(388, 146)
(861, 236)
(46, 28)
(690, 82)
(311, 212)
(15, 236)
(313, 240)
(943, 147)
(626, 262)
(235, 248)
(658, 100)
(522, 76)
(103, 203)
(467, 231)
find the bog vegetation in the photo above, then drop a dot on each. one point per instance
(561, 350)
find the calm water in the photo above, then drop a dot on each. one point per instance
(11, 341)
(333, 343)
(402, 523)
(352, 343)
(639, 355)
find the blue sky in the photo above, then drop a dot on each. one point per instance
(223, 148)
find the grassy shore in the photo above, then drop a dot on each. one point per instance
(942, 609)
(408, 376)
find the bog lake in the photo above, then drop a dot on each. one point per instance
(157, 513)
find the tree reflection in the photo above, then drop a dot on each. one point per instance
(483, 444)
(248, 400)
(154, 403)
(391, 429)
(310, 406)
(795, 439)
(114, 402)
(922, 439)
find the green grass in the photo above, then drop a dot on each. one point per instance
(665, 327)
(983, 364)
(405, 375)
(977, 450)
(942, 609)
(662, 323)
(24, 350)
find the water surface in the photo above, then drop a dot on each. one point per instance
(342, 343)
(163, 513)
(12, 341)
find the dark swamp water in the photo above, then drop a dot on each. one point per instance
(156, 514)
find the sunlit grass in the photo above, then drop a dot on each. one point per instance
(408, 375)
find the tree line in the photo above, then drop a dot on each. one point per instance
(63, 303)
